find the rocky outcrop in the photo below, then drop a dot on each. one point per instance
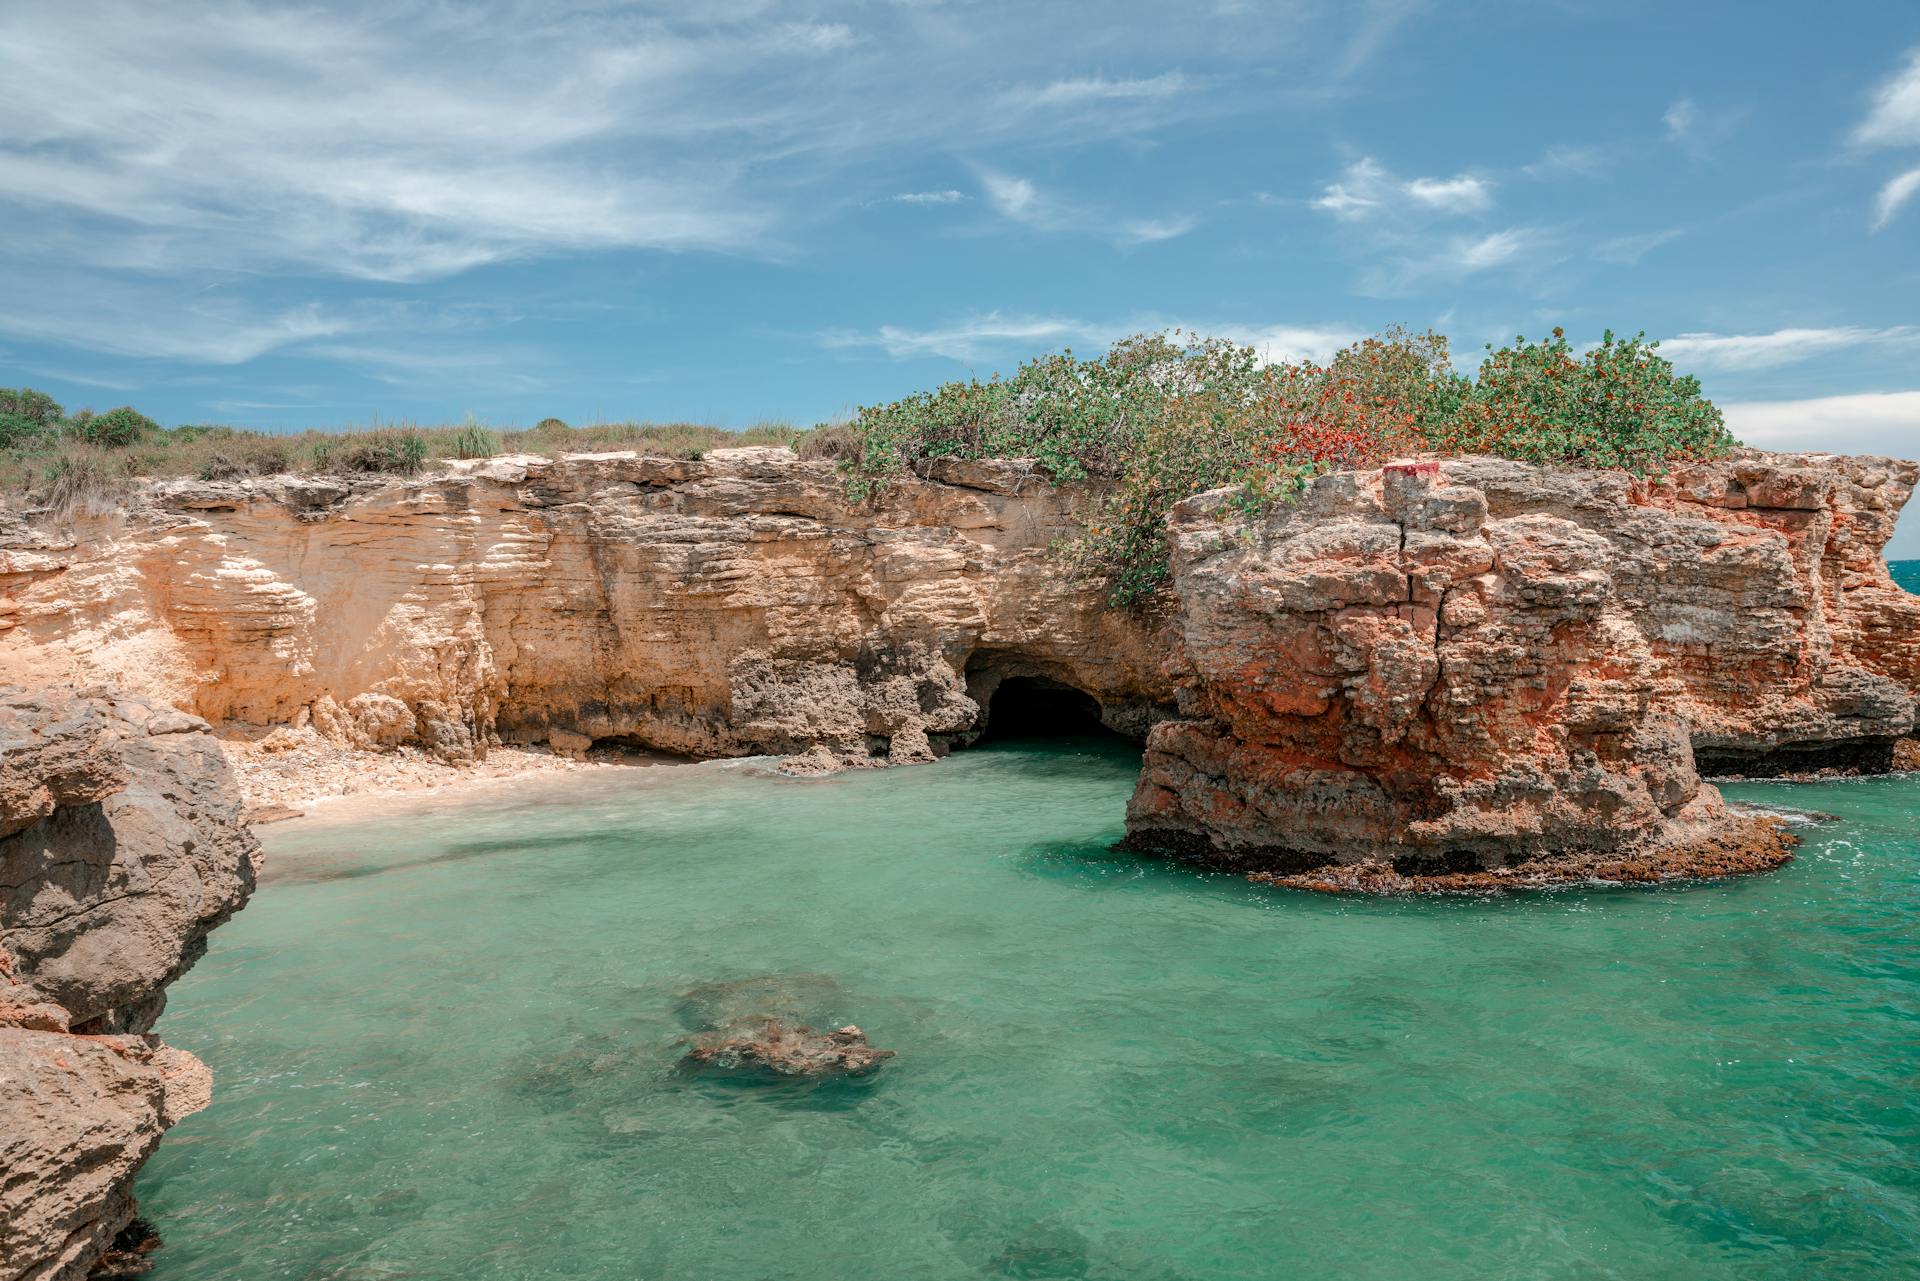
(1458, 664)
(120, 849)
(784, 1047)
(1450, 666)
(736, 605)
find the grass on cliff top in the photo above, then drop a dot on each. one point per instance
(59, 463)
(1159, 418)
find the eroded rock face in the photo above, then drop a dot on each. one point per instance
(735, 605)
(1473, 663)
(120, 849)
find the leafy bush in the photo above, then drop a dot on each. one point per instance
(115, 429)
(18, 431)
(552, 425)
(1163, 417)
(35, 406)
(1620, 405)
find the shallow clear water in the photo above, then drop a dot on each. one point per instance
(445, 1042)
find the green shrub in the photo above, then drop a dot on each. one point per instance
(552, 425)
(1163, 417)
(17, 431)
(35, 406)
(388, 450)
(475, 441)
(116, 429)
(1621, 405)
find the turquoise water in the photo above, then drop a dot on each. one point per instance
(446, 1047)
(1907, 574)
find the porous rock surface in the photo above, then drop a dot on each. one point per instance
(1466, 664)
(120, 849)
(735, 605)
(1460, 664)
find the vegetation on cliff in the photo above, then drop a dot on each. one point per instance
(57, 459)
(1159, 418)
(1162, 417)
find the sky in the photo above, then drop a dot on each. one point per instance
(731, 211)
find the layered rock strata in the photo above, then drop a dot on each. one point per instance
(736, 605)
(120, 849)
(1462, 664)
(1470, 664)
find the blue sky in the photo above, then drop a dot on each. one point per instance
(725, 212)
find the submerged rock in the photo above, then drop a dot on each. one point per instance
(786, 1048)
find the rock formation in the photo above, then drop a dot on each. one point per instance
(120, 848)
(1468, 664)
(1456, 665)
(785, 1048)
(731, 606)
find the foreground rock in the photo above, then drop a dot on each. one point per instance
(120, 849)
(1478, 665)
(786, 1048)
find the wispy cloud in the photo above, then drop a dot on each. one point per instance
(1894, 118)
(1365, 189)
(1456, 258)
(1460, 194)
(1093, 90)
(1563, 160)
(1734, 352)
(1625, 251)
(1681, 119)
(1868, 423)
(997, 335)
(1893, 196)
(1020, 200)
(1699, 130)
(948, 197)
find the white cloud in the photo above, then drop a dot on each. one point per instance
(1868, 423)
(1366, 188)
(1731, 352)
(1893, 196)
(1146, 231)
(1019, 200)
(1011, 337)
(1894, 118)
(967, 340)
(1680, 119)
(1460, 194)
(1362, 187)
(1098, 90)
(947, 197)
(1564, 160)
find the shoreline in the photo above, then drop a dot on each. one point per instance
(291, 774)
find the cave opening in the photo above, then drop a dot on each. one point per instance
(1037, 707)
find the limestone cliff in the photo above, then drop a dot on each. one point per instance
(1472, 663)
(730, 606)
(120, 848)
(1469, 661)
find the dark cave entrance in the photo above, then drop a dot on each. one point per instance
(1037, 707)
